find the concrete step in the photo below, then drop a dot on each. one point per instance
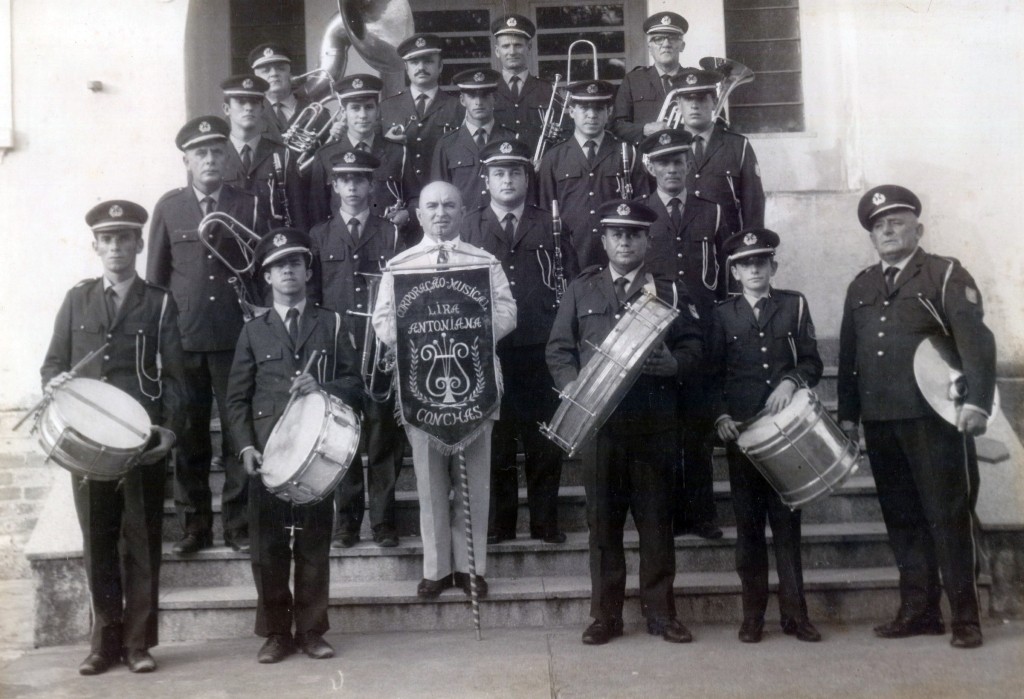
(847, 545)
(833, 595)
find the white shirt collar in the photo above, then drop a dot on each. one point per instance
(289, 103)
(431, 93)
(629, 277)
(215, 195)
(120, 288)
(282, 310)
(362, 217)
(506, 75)
(752, 299)
(488, 127)
(500, 212)
(356, 141)
(899, 265)
(239, 143)
(582, 140)
(666, 197)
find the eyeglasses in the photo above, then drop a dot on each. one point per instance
(661, 40)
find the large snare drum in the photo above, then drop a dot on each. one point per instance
(610, 373)
(93, 429)
(800, 451)
(310, 448)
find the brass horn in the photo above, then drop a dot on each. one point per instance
(244, 237)
(735, 73)
(377, 364)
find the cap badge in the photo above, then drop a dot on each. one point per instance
(592, 88)
(116, 211)
(357, 84)
(623, 210)
(268, 52)
(511, 22)
(421, 42)
(691, 79)
(247, 84)
(666, 20)
(665, 139)
(750, 239)
(478, 77)
(279, 240)
(204, 127)
(505, 147)
(350, 157)
(878, 199)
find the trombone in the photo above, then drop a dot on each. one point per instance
(378, 362)
(245, 238)
(551, 130)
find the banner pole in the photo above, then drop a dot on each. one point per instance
(474, 596)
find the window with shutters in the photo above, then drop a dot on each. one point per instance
(764, 35)
(254, 23)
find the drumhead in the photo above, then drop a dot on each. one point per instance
(102, 413)
(294, 439)
(764, 428)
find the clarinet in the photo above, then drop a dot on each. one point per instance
(625, 186)
(559, 267)
(279, 207)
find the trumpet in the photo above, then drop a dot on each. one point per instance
(377, 363)
(245, 238)
(550, 129)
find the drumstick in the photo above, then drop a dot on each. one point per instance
(312, 357)
(73, 371)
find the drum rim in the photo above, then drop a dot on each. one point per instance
(55, 407)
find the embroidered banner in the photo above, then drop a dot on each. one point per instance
(447, 373)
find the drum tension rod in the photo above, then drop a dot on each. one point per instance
(567, 397)
(609, 357)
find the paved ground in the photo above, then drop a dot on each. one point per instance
(525, 663)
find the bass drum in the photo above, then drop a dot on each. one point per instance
(800, 451)
(93, 429)
(310, 449)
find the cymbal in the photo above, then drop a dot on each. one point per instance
(940, 378)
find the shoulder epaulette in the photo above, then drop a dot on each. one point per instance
(151, 285)
(865, 270)
(591, 270)
(640, 67)
(730, 299)
(786, 292)
(86, 281)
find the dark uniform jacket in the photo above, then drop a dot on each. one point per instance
(564, 174)
(146, 323)
(209, 315)
(443, 115)
(258, 180)
(266, 362)
(523, 116)
(881, 331)
(692, 254)
(637, 102)
(528, 261)
(457, 160)
(589, 311)
(748, 358)
(339, 264)
(728, 175)
(324, 203)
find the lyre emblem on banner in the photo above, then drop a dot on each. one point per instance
(446, 379)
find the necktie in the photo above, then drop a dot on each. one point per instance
(758, 307)
(292, 321)
(666, 82)
(353, 228)
(510, 226)
(591, 149)
(675, 213)
(442, 255)
(698, 148)
(421, 105)
(282, 119)
(620, 289)
(890, 278)
(111, 299)
(246, 158)
(362, 146)
(481, 137)
(206, 204)
(513, 86)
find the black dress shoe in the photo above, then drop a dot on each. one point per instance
(429, 589)
(345, 540)
(600, 632)
(239, 544)
(314, 645)
(385, 537)
(276, 648)
(498, 537)
(139, 660)
(966, 636)
(462, 580)
(191, 543)
(706, 530)
(803, 630)
(96, 664)
(672, 630)
(751, 630)
(902, 627)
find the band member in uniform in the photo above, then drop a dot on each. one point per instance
(419, 116)
(642, 91)
(519, 235)
(520, 99)
(457, 155)
(630, 467)
(257, 162)
(210, 319)
(685, 245)
(121, 520)
(442, 520)
(585, 170)
(258, 392)
(762, 349)
(725, 169)
(925, 469)
(273, 63)
(360, 100)
(348, 250)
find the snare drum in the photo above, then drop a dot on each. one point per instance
(610, 373)
(800, 451)
(310, 448)
(93, 429)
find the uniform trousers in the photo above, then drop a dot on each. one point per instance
(927, 478)
(693, 488)
(206, 377)
(630, 472)
(754, 500)
(528, 400)
(121, 544)
(383, 443)
(273, 551)
(442, 514)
